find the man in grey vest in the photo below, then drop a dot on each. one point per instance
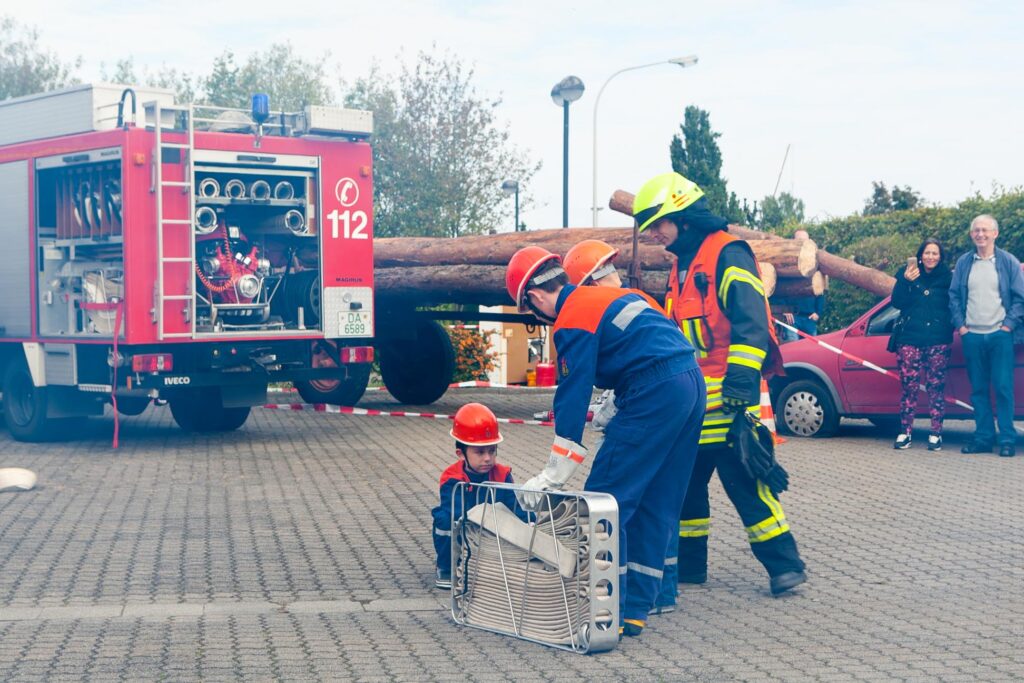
(986, 301)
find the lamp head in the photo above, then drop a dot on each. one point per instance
(684, 62)
(510, 186)
(567, 90)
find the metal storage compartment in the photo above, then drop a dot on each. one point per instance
(78, 109)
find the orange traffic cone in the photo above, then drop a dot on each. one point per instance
(768, 415)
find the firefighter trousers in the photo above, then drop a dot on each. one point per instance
(645, 462)
(767, 529)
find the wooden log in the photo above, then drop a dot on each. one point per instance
(769, 278)
(791, 258)
(870, 279)
(482, 285)
(801, 286)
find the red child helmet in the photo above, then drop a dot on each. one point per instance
(521, 268)
(475, 425)
(584, 261)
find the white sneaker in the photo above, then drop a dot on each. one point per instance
(934, 442)
(902, 442)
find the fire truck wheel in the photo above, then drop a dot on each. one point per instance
(25, 405)
(202, 411)
(418, 371)
(339, 392)
(132, 406)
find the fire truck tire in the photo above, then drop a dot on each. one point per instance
(339, 392)
(302, 290)
(25, 406)
(132, 405)
(418, 371)
(202, 411)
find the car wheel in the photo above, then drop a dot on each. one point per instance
(806, 409)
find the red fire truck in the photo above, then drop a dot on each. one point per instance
(192, 255)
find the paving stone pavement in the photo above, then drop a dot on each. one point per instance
(298, 548)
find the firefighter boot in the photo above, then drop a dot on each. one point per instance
(784, 582)
(631, 628)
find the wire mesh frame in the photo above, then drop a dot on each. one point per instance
(590, 595)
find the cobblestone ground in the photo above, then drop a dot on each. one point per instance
(298, 548)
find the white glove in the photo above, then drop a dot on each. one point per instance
(605, 412)
(565, 457)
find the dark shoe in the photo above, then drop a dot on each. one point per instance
(663, 609)
(631, 628)
(1007, 450)
(976, 447)
(693, 578)
(784, 582)
(443, 580)
(902, 442)
(934, 442)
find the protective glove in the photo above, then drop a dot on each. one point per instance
(606, 410)
(755, 448)
(731, 405)
(565, 457)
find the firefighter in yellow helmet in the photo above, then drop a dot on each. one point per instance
(716, 296)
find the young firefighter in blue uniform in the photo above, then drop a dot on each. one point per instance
(590, 263)
(476, 444)
(614, 339)
(716, 296)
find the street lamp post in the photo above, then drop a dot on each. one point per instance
(681, 61)
(512, 187)
(565, 92)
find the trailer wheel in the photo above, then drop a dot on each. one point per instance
(202, 411)
(25, 405)
(345, 390)
(418, 371)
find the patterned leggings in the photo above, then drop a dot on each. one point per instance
(913, 361)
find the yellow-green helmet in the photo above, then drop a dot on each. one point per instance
(662, 195)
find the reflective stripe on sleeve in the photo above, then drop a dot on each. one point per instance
(628, 313)
(443, 532)
(734, 274)
(743, 354)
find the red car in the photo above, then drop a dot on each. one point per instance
(820, 386)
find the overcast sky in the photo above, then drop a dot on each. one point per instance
(921, 93)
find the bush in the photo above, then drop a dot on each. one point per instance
(886, 240)
(473, 357)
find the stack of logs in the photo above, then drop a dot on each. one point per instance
(471, 270)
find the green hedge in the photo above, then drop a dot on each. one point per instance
(885, 242)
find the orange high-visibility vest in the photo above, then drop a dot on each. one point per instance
(696, 310)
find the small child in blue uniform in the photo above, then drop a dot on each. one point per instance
(476, 444)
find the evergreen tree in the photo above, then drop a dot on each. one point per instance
(695, 154)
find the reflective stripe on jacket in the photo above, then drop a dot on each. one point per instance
(699, 307)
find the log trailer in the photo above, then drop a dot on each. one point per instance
(193, 255)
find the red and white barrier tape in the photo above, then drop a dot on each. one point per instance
(455, 385)
(865, 363)
(345, 410)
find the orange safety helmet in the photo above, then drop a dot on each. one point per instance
(521, 267)
(586, 259)
(475, 425)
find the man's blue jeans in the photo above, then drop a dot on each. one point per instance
(990, 367)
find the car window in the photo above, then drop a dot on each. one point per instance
(881, 322)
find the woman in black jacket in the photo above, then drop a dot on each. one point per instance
(921, 294)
